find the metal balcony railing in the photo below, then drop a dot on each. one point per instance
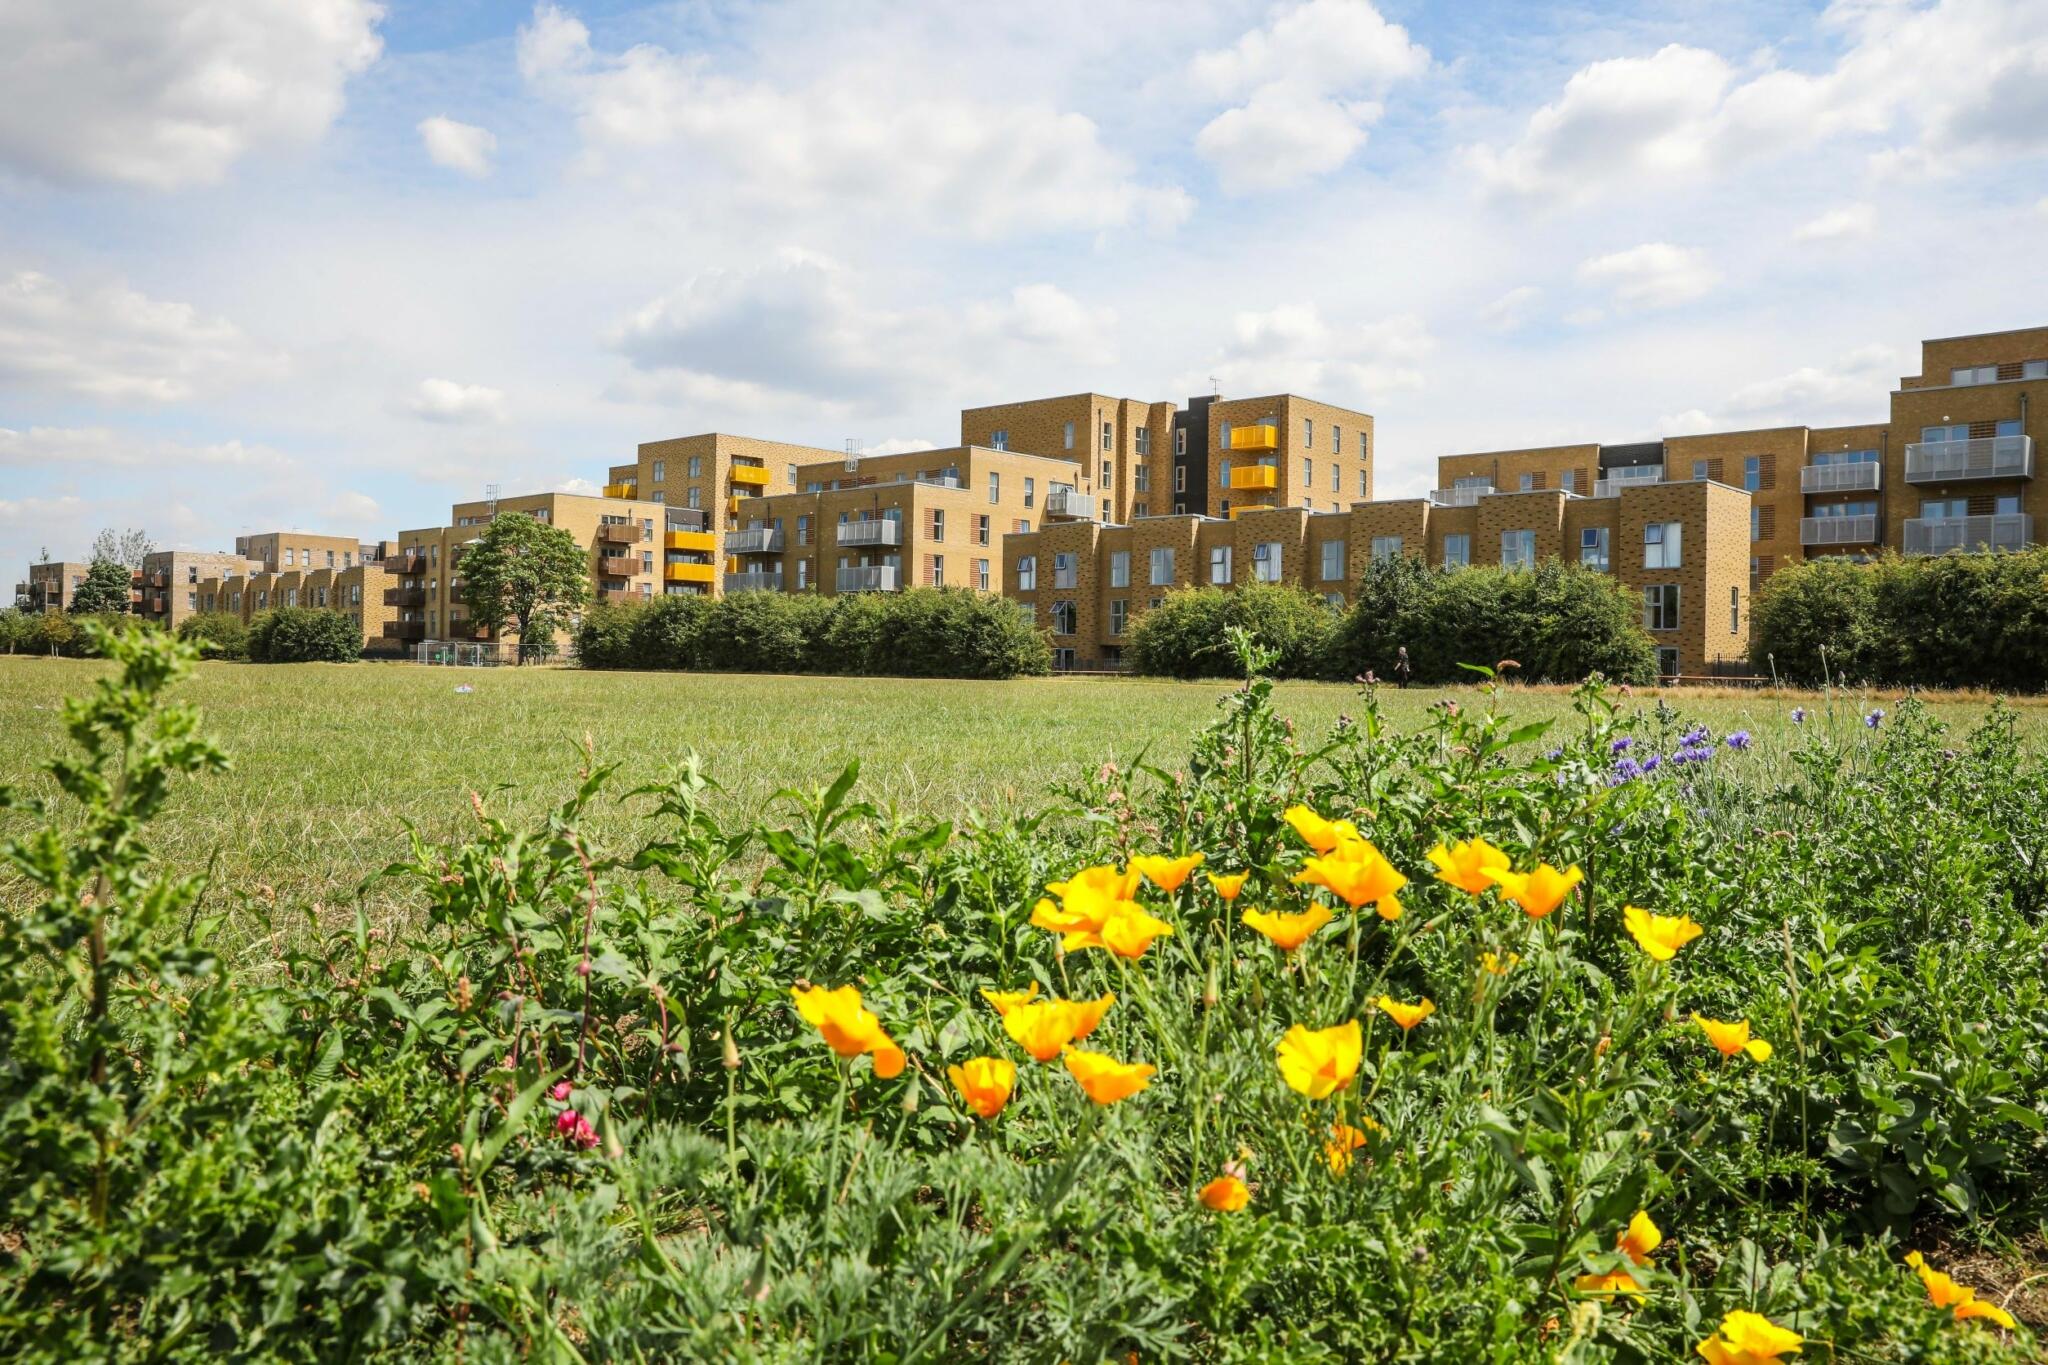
(755, 540)
(1860, 529)
(1841, 478)
(1940, 535)
(1983, 457)
(1459, 497)
(874, 531)
(753, 581)
(868, 578)
(1062, 501)
(1627, 476)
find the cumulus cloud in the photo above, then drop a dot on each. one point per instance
(112, 343)
(462, 147)
(1294, 349)
(100, 448)
(1849, 221)
(987, 166)
(444, 400)
(1940, 84)
(1853, 387)
(899, 445)
(582, 487)
(1511, 310)
(164, 94)
(1309, 81)
(1653, 275)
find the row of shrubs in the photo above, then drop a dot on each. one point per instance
(289, 635)
(1559, 623)
(1940, 621)
(921, 633)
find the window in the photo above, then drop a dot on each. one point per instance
(1180, 440)
(1027, 573)
(1752, 472)
(803, 574)
(661, 495)
(1000, 439)
(1660, 606)
(1108, 441)
(2009, 427)
(1826, 457)
(1333, 559)
(981, 529)
(1030, 492)
(1064, 618)
(1938, 508)
(935, 570)
(1824, 510)
(660, 471)
(1528, 483)
(995, 486)
(789, 474)
(1334, 601)
(1593, 548)
(1457, 549)
(1662, 545)
(696, 466)
(1138, 509)
(1364, 489)
(1756, 522)
(1308, 473)
(1141, 479)
(1699, 469)
(981, 574)
(1518, 549)
(2006, 505)
(1223, 435)
(1105, 509)
(1336, 478)
(1734, 610)
(647, 561)
(288, 556)
(192, 601)
(1105, 480)
(1066, 569)
(1162, 565)
(2034, 369)
(1120, 569)
(1219, 564)
(1266, 561)
(1119, 614)
(1308, 433)
(1569, 481)
(1385, 547)
(1337, 439)
(1974, 374)
(1180, 478)
(1667, 661)
(1954, 433)
(938, 523)
(1144, 435)
(1067, 435)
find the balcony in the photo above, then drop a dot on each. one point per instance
(618, 566)
(1860, 529)
(618, 533)
(1627, 476)
(1062, 501)
(618, 595)
(696, 542)
(1262, 437)
(874, 531)
(405, 563)
(1252, 475)
(868, 578)
(405, 597)
(405, 630)
(622, 490)
(157, 580)
(753, 475)
(1986, 457)
(690, 573)
(1841, 478)
(755, 580)
(1468, 496)
(1940, 535)
(754, 540)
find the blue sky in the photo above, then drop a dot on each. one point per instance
(335, 265)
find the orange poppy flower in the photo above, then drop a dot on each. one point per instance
(1467, 865)
(1105, 1079)
(985, 1083)
(1225, 1194)
(1287, 930)
(848, 1028)
(1407, 1016)
(1166, 873)
(1538, 892)
(1319, 834)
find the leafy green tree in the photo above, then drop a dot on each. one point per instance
(1815, 620)
(127, 548)
(222, 634)
(105, 588)
(524, 574)
(1188, 635)
(304, 635)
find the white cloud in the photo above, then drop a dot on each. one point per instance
(582, 487)
(1293, 349)
(99, 448)
(1294, 75)
(163, 94)
(987, 165)
(1851, 220)
(1511, 310)
(1691, 422)
(898, 445)
(1653, 275)
(460, 147)
(1856, 384)
(115, 344)
(2041, 208)
(444, 400)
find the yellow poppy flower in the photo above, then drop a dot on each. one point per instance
(1640, 1238)
(1944, 1292)
(1466, 865)
(1288, 930)
(1087, 898)
(1164, 872)
(1612, 1283)
(1128, 932)
(1227, 884)
(1538, 892)
(1320, 1062)
(1748, 1338)
(1088, 1013)
(1044, 1027)
(1407, 1016)
(1105, 1079)
(985, 1083)
(1319, 834)
(1225, 1194)
(1729, 1039)
(1005, 1001)
(1494, 965)
(1344, 1140)
(847, 1028)
(1661, 936)
(1357, 872)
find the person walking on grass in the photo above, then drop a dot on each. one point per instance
(1401, 667)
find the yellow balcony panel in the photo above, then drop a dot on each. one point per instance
(1254, 476)
(1260, 437)
(703, 542)
(750, 474)
(622, 490)
(692, 573)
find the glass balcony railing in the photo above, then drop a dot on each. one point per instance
(753, 581)
(1627, 476)
(1460, 497)
(1940, 535)
(1860, 529)
(868, 578)
(875, 531)
(1062, 501)
(1841, 478)
(754, 540)
(1982, 457)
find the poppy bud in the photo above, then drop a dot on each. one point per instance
(910, 1100)
(1210, 993)
(732, 1052)
(1600, 1048)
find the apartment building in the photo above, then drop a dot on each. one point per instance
(173, 582)
(274, 551)
(638, 548)
(711, 474)
(49, 586)
(360, 591)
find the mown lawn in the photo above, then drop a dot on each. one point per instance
(331, 760)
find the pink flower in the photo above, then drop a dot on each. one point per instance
(561, 1090)
(585, 1136)
(566, 1121)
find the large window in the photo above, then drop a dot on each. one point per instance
(1974, 374)
(1162, 566)
(1064, 618)
(995, 486)
(1219, 565)
(1067, 435)
(1660, 606)
(1333, 560)
(1385, 547)
(1457, 549)
(1593, 548)
(1000, 439)
(1027, 573)
(1266, 561)
(1752, 472)
(1119, 614)
(1518, 549)
(1120, 569)
(1337, 439)
(1030, 490)
(1066, 569)
(1308, 433)
(1144, 439)
(1662, 545)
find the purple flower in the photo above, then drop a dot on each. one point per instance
(1554, 755)
(1799, 715)
(1692, 753)
(1739, 740)
(1652, 763)
(1625, 770)
(1699, 734)
(1875, 718)
(1620, 746)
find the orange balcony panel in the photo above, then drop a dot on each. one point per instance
(621, 490)
(1261, 437)
(754, 475)
(1255, 476)
(702, 542)
(691, 573)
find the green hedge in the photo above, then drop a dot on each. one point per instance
(1961, 620)
(920, 633)
(1187, 635)
(304, 635)
(222, 634)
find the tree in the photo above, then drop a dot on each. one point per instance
(105, 588)
(524, 573)
(304, 635)
(126, 547)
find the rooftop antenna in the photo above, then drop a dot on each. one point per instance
(1215, 389)
(491, 497)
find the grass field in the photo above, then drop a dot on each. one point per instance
(329, 760)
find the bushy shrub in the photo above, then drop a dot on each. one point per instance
(304, 635)
(1558, 622)
(921, 632)
(1188, 634)
(222, 634)
(1815, 620)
